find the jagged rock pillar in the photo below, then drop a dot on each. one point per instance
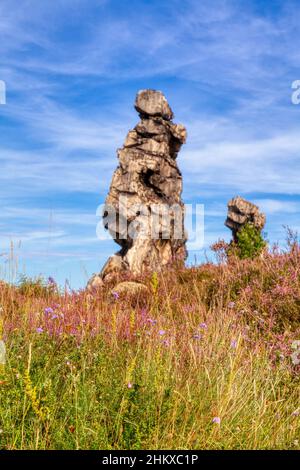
(144, 212)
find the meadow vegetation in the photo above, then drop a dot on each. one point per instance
(206, 360)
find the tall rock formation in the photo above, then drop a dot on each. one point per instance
(241, 212)
(144, 212)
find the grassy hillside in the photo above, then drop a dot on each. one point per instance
(204, 361)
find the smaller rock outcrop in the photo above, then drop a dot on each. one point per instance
(95, 283)
(241, 212)
(129, 289)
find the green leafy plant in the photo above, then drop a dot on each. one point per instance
(250, 242)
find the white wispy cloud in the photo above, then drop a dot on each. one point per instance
(260, 165)
(275, 206)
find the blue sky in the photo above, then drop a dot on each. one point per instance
(72, 69)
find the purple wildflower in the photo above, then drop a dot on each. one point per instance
(116, 295)
(233, 344)
(197, 336)
(48, 310)
(161, 332)
(39, 329)
(231, 305)
(203, 325)
(152, 322)
(129, 385)
(216, 420)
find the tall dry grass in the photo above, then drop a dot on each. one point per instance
(204, 361)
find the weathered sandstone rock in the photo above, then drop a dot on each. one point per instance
(241, 212)
(129, 288)
(153, 103)
(144, 212)
(95, 283)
